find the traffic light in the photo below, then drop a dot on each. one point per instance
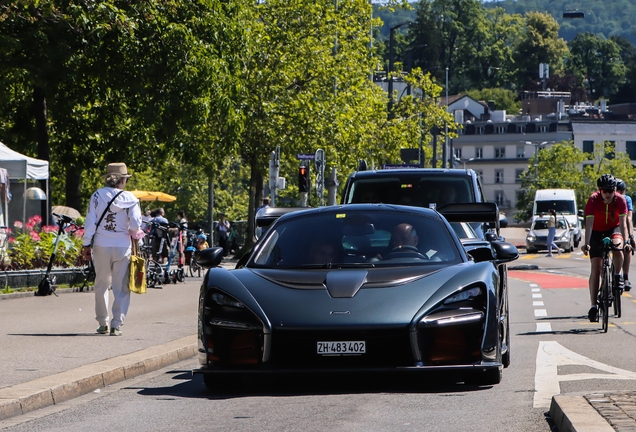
(303, 179)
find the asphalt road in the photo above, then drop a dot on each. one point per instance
(555, 350)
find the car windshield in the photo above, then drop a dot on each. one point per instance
(418, 191)
(354, 238)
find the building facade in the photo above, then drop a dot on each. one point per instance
(499, 147)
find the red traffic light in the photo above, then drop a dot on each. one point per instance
(303, 179)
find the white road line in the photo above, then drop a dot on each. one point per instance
(533, 285)
(544, 327)
(540, 313)
(551, 355)
(537, 296)
(537, 303)
(536, 289)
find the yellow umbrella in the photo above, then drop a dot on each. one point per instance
(153, 196)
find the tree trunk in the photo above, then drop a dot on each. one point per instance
(73, 184)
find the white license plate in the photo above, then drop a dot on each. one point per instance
(344, 347)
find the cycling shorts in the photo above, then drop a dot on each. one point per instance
(596, 240)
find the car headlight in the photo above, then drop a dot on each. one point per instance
(531, 238)
(463, 296)
(223, 300)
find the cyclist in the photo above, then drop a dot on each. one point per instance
(605, 216)
(621, 186)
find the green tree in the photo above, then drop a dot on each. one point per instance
(598, 63)
(559, 167)
(504, 99)
(538, 43)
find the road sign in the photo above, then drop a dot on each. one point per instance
(305, 156)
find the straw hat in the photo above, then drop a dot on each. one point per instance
(117, 168)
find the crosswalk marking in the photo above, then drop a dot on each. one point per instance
(537, 295)
(540, 313)
(537, 303)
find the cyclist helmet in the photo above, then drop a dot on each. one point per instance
(620, 185)
(606, 181)
(202, 237)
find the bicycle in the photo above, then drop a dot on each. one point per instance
(194, 267)
(605, 300)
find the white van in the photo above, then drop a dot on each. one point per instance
(561, 200)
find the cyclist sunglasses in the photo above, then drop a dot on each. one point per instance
(608, 191)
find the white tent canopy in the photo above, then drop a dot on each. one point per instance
(20, 166)
(27, 169)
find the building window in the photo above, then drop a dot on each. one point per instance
(499, 176)
(518, 173)
(480, 173)
(458, 152)
(588, 146)
(610, 149)
(521, 151)
(479, 153)
(500, 152)
(499, 198)
(630, 149)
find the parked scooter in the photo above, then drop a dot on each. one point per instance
(46, 286)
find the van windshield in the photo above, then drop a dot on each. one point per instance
(561, 207)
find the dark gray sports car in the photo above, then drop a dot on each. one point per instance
(368, 287)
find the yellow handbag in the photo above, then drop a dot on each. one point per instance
(137, 282)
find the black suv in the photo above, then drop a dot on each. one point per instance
(419, 187)
(435, 187)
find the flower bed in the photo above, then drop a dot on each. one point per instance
(30, 246)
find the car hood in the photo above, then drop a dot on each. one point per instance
(357, 297)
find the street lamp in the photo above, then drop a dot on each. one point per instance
(536, 155)
(391, 60)
(464, 160)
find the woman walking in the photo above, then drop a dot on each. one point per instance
(552, 221)
(113, 217)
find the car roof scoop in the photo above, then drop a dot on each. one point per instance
(345, 284)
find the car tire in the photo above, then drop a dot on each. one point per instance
(531, 251)
(505, 358)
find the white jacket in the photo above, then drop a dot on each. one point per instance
(119, 223)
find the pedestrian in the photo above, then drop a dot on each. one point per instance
(183, 222)
(552, 221)
(223, 230)
(160, 253)
(112, 219)
(621, 188)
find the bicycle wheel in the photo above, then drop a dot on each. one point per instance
(604, 300)
(195, 268)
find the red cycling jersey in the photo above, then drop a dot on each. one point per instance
(606, 216)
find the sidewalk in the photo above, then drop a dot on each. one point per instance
(595, 412)
(51, 353)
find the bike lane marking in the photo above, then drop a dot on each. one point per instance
(551, 355)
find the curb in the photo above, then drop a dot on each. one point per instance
(52, 390)
(21, 294)
(575, 414)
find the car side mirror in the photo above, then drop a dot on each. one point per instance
(210, 257)
(505, 252)
(527, 229)
(491, 236)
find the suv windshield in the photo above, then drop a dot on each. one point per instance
(417, 191)
(350, 239)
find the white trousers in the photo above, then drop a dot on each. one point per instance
(111, 269)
